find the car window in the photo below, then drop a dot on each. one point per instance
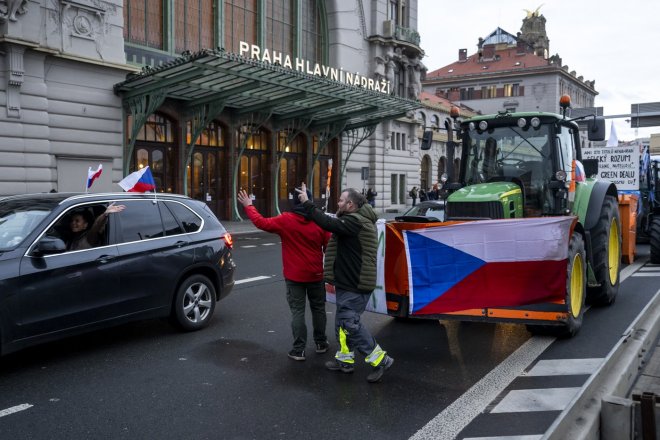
(191, 222)
(140, 221)
(82, 227)
(172, 226)
(15, 225)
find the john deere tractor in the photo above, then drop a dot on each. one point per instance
(529, 165)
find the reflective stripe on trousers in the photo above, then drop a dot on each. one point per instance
(344, 354)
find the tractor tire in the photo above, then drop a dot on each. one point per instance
(576, 286)
(606, 246)
(654, 233)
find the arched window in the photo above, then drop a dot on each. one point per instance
(442, 167)
(435, 121)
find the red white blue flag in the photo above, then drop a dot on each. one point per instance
(92, 175)
(490, 263)
(140, 181)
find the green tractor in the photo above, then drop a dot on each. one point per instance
(648, 223)
(516, 165)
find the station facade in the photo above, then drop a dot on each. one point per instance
(213, 96)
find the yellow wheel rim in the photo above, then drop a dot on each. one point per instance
(577, 285)
(614, 252)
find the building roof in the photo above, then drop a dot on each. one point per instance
(505, 60)
(245, 85)
(443, 104)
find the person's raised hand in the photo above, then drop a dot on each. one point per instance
(243, 198)
(114, 208)
(302, 193)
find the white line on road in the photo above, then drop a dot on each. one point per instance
(647, 274)
(269, 244)
(463, 410)
(249, 246)
(249, 280)
(14, 409)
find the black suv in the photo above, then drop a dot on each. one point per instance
(166, 255)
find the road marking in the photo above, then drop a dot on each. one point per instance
(249, 246)
(650, 269)
(463, 410)
(508, 437)
(647, 274)
(564, 367)
(249, 280)
(15, 409)
(544, 399)
(269, 244)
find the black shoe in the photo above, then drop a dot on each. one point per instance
(336, 365)
(322, 347)
(377, 374)
(297, 355)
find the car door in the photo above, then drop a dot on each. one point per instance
(67, 290)
(153, 251)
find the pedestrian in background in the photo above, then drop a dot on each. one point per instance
(413, 194)
(350, 266)
(303, 244)
(371, 197)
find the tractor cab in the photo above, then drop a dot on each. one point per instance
(516, 165)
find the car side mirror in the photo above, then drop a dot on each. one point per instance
(590, 167)
(596, 128)
(50, 245)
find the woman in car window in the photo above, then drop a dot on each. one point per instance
(84, 237)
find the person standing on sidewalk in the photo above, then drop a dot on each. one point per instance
(350, 266)
(303, 243)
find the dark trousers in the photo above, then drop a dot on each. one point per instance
(350, 306)
(296, 295)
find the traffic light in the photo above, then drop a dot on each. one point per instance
(427, 140)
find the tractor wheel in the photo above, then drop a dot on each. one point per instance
(606, 263)
(654, 233)
(576, 283)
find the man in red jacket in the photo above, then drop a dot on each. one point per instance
(303, 244)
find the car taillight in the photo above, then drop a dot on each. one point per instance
(228, 240)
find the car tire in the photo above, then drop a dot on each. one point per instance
(194, 303)
(606, 253)
(654, 234)
(576, 283)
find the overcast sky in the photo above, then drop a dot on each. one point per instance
(613, 42)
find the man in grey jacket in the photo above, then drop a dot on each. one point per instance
(350, 266)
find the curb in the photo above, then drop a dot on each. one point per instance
(618, 372)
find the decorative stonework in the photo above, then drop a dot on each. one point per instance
(85, 19)
(14, 79)
(9, 9)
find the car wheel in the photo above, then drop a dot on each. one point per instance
(194, 303)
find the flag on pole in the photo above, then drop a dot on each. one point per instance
(92, 175)
(140, 181)
(613, 140)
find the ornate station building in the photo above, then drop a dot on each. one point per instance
(213, 96)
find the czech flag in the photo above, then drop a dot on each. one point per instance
(92, 175)
(139, 181)
(489, 263)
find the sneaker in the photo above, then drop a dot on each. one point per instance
(297, 355)
(335, 365)
(322, 347)
(377, 374)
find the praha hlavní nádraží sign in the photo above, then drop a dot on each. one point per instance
(301, 65)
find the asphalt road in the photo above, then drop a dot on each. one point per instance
(233, 380)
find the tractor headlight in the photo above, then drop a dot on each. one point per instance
(522, 122)
(483, 125)
(560, 175)
(536, 122)
(471, 126)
